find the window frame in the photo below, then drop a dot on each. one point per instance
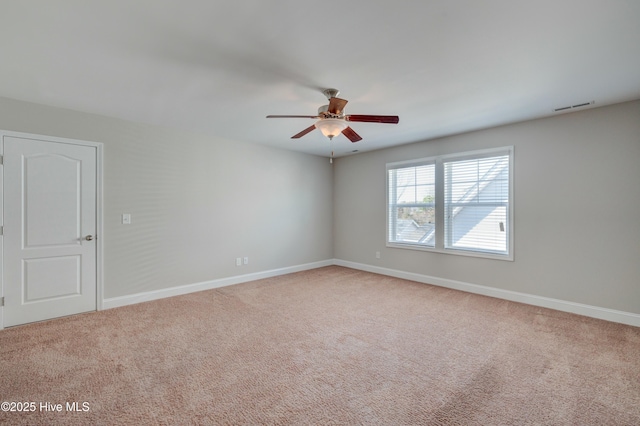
(394, 219)
(439, 203)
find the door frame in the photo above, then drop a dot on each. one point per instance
(99, 208)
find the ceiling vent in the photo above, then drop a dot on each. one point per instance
(568, 107)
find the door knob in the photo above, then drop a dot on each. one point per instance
(89, 237)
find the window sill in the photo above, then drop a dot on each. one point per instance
(456, 252)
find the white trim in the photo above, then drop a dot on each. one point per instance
(529, 299)
(99, 206)
(132, 299)
(99, 226)
(622, 317)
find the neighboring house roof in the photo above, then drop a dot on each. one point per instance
(409, 231)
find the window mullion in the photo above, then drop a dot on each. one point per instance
(393, 201)
(439, 202)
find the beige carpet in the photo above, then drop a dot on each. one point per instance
(327, 346)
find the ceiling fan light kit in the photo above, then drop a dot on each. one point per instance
(333, 121)
(331, 127)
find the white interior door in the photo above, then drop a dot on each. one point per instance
(49, 242)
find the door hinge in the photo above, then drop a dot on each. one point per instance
(1, 230)
(2, 301)
(1, 159)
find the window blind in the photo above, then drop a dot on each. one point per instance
(476, 204)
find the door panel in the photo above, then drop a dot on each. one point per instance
(52, 206)
(52, 277)
(49, 268)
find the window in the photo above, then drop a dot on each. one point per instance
(457, 203)
(412, 204)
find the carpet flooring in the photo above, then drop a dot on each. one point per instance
(329, 346)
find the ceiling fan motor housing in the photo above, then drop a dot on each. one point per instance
(324, 113)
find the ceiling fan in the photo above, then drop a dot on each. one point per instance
(332, 120)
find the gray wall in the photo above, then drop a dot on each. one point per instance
(577, 209)
(196, 202)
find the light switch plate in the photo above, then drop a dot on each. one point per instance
(126, 218)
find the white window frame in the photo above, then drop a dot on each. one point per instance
(392, 188)
(440, 204)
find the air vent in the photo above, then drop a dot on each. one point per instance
(564, 108)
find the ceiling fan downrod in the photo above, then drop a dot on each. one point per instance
(331, 93)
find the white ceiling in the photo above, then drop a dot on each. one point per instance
(219, 67)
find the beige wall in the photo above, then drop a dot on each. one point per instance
(196, 202)
(577, 209)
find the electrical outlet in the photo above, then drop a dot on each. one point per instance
(238, 261)
(246, 260)
(377, 255)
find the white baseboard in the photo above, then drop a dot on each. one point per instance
(545, 302)
(514, 296)
(132, 299)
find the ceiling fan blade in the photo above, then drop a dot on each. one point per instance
(293, 116)
(304, 132)
(388, 119)
(336, 105)
(351, 135)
